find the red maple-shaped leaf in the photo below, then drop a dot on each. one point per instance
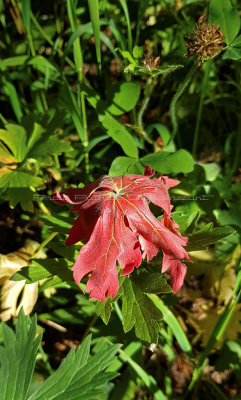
(116, 224)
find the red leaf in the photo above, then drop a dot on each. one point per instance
(116, 224)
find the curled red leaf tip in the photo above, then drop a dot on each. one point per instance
(116, 224)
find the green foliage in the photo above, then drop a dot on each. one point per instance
(170, 163)
(119, 134)
(79, 375)
(66, 120)
(22, 146)
(207, 235)
(138, 310)
(18, 357)
(222, 13)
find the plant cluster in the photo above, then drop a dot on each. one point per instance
(120, 184)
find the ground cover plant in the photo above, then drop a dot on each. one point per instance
(120, 183)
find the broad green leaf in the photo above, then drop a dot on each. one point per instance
(119, 134)
(80, 376)
(48, 146)
(5, 156)
(125, 165)
(170, 163)
(138, 311)
(187, 222)
(15, 137)
(58, 223)
(207, 235)
(211, 171)
(19, 178)
(104, 309)
(233, 53)
(22, 195)
(222, 13)
(152, 282)
(70, 252)
(43, 269)
(17, 358)
(121, 98)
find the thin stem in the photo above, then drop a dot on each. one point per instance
(176, 97)
(50, 41)
(30, 39)
(4, 121)
(200, 107)
(147, 94)
(44, 243)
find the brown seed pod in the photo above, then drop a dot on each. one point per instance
(206, 41)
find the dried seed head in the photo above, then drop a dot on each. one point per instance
(148, 60)
(206, 41)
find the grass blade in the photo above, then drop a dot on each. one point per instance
(129, 34)
(173, 323)
(94, 16)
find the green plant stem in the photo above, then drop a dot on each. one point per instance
(78, 58)
(200, 107)
(147, 94)
(176, 97)
(30, 40)
(129, 34)
(4, 121)
(50, 41)
(44, 243)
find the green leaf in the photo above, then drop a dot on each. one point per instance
(233, 52)
(104, 309)
(11, 92)
(152, 282)
(170, 163)
(119, 134)
(58, 223)
(137, 51)
(22, 195)
(222, 13)
(80, 376)
(49, 146)
(165, 135)
(17, 358)
(211, 171)
(26, 10)
(19, 178)
(138, 311)
(121, 97)
(125, 165)
(43, 269)
(70, 252)
(187, 222)
(15, 137)
(207, 235)
(128, 56)
(95, 21)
